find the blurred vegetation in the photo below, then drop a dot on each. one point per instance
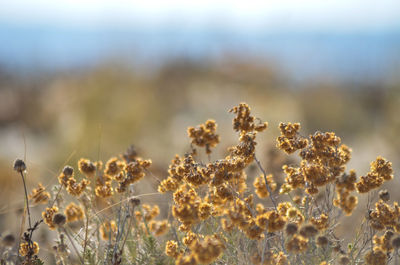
(98, 112)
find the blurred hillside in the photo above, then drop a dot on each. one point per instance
(98, 112)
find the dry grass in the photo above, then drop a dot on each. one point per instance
(230, 210)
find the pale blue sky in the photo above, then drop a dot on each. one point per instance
(348, 38)
(269, 15)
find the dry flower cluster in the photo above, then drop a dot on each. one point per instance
(220, 211)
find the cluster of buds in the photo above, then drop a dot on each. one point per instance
(381, 170)
(40, 195)
(204, 135)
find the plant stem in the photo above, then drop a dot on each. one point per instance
(27, 201)
(266, 182)
(73, 245)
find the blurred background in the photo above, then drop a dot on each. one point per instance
(88, 78)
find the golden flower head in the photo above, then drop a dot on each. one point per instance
(39, 195)
(87, 167)
(26, 249)
(73, 212)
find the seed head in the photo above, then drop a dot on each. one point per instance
(308, 231)
(8, 240)
(344, 260)
(291, 229)
(384, 195)
(396, 242)
(68, 171)
(59, 219)
(19, 165)
(322, 241)
(134, 201)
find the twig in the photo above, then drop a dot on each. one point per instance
(73, 245)
(266, 182)
(26, 199)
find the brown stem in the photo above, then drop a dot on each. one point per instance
(73, 245)
(86, 233)
(266, 182)
(27, 201)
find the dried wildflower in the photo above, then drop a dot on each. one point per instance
(135, 171)
(190, 238)
(176, 175)
(345, 201)
(297, 199)
(48, 216)
(308, 231)
(384, 241)
(227, 225)
(114, 166)
(204, 135)
(39, 195)
(321, 223)
(244, 122)
(8, 240)
(59, 219)
(253, 231)
(73, 212)
(130, 154)
(19, 165)
(168, 184)
(344, 260)
(347, 181)
(68, 171)
(134, 201)
(322, 241)
(246, 148)
(261, 188)
(186, 260)
(297, 244)
(291, 229)
(294, 215)
(384, 195)
(208, 250)
(147, 213)
(205, 210)
(396, 242)
(384, 215)
(375, 257)
(87, 167)
(171, 249)
(337, 248)
(290, 141)
(276, 222)
(382, 168)
(270, 258)
(65, 175)
(159, 227)
(294, 177)
(380, 171)
(25, 249)
(107, 229)
(104, 190)
(76, 189)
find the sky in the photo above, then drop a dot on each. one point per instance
(270, 15)
(353, 38)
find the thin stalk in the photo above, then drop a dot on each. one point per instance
(266, 182)
(86, 233)
(73, 245)
(26, 199)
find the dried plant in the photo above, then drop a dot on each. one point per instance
(221, 212)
